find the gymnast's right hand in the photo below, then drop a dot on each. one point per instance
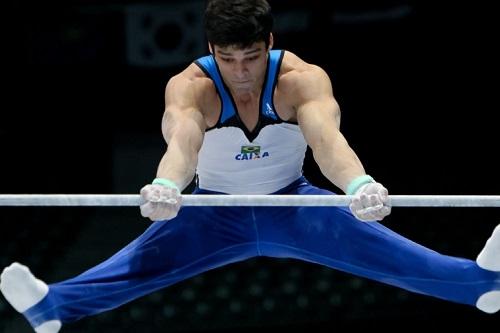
(162, 200)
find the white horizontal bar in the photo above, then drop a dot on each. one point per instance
(246, 200)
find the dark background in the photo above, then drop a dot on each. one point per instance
(82, 101)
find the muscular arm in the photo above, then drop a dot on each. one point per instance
(318, 115)
(183, 128)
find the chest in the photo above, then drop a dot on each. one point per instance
(250, 111)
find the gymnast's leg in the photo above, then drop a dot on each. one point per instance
(331, 236)
(197, 240)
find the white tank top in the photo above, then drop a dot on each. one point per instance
(236, 161)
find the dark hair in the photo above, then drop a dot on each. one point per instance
(238, 22)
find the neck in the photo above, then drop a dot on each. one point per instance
(246, 94)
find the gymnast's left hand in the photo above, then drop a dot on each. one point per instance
(371, 202)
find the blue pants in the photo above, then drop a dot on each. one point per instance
(203, 238)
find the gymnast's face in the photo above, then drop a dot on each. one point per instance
(243, 70)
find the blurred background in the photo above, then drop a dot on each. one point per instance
(82, 101)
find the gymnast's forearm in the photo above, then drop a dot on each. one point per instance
(178, 164)
(183, 130)
(337, 161)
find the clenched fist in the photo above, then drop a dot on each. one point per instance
(161, 202)
(371, 202)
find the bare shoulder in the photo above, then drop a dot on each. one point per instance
(300, 79)
(190, 88)
(294, 64)
(303, 86)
